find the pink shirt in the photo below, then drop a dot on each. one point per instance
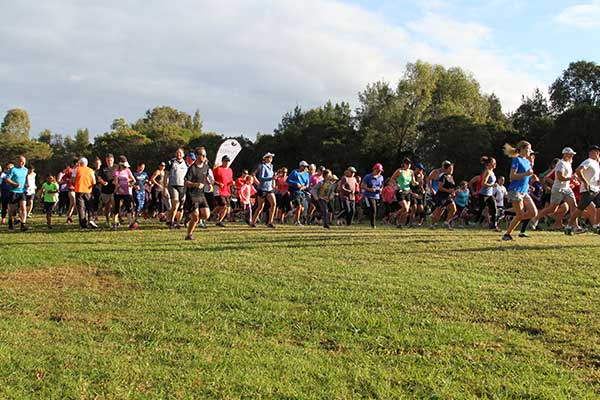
(123, 177)
(245, 194)
(281, 184)
(388, 194)
(314, 179)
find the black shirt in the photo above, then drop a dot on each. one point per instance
(197, 174)
(108, 174)
(447, 182)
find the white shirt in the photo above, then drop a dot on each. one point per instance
(30, 184)
(591, 172)
(567, 171)
(500, 193)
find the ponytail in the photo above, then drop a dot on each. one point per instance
(510, 151)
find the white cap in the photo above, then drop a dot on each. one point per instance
(303, 164)
(568, 150)
(269, 154)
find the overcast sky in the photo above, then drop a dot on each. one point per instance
(243, 63)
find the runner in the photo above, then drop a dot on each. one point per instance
(347, 193)
(245, 194)
(50, 197)
(324, 192)
(31, 188)
(282, 195)
(139, 189)
(589, 175)
(174, 182)
(443, 198)
(561, 190)
(69, 189)
(84, 181)
(107, 190)
(486, 197)
(265, 190)
(97, 167)
(5, 191)
(371, 188)
(299, 184)
(17, 179)
(316, 176)
(520, 172)
(223, 175)
(195, 179)
(123, 182)
(461, 200)
(157, 208)
(403, 177)
(417, 189)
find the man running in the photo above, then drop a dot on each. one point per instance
(223, 176)
(195, 179)
(139, 189)
(298, 180)
(85, 180)
(371, 187)
(17, 178)
(174, 182)
(107, 190)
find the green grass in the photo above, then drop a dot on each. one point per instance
(298, 314)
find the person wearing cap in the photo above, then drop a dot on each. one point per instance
(417, 200)
(299, 181)
(107, 188)
(324, 193)
(85, 180)
(174, 182)
(589, 176)
(190, 158)
(371, 188)
(347, 194)
(16, 178)
(561, 190)
(403, 178)
(444, 200)
(123, 181)
(195, 180)
(518, 189)
(223, 177)
(264, 178)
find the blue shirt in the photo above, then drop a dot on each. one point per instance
(373, 182)
(140, 180)
(462, 198)
(296, 177)
(435, 183)
(521, 165)
(265, 177)
(18, 175)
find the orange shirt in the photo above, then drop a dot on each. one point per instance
(84, 179)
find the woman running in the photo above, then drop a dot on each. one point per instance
(520, 172)
(31, 189)
(123, 181)
(443, 198)
(156, 180)
(282, 195)
(403, 177)
(486, 193)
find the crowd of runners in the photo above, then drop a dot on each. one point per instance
(186, 192)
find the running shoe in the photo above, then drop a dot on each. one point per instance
(298, 223)
(202, 224)
(189, 237)
(523, 235)
(24, 227)
(92, 224)
(534, 224)
(579, 230)
(448, 226)
(507, 237)
(252, 225)
(133, 226)
(568, 230)
(273, 226)
(220, 224)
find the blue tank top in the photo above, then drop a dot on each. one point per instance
(488, 190)
(435, 183)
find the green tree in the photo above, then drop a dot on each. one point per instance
(197, 123)
(578, 84)
(15, 125)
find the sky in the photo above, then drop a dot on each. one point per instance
(244, 63)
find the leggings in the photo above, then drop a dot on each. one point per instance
(371, 209)
(490, 203)
(5, 201)
(348, 210)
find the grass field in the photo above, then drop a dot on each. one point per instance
(298, 314)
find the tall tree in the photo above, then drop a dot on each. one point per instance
(197, 123)
(578, 84)
(15, 125)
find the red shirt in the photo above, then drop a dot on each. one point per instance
(281, 184)
(223, 176)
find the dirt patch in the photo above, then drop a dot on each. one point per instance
(63, 279)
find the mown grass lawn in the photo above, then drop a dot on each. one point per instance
(299, 313)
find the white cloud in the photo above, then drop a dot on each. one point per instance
(583, 16)
(242, 63)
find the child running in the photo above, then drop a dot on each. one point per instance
(50, 197)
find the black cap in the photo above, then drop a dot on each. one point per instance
(225, 158)
(594, 147)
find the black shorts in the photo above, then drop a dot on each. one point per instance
(195, 203)
(210, 199)
(122, 203)
(263, 193)
(223, 201)
(283, 201)
(29, 197)
(49, 207)
(588, 198)
(443, 201)
(403, 195)
(16, 198)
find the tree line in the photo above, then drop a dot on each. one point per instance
(431, 114)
